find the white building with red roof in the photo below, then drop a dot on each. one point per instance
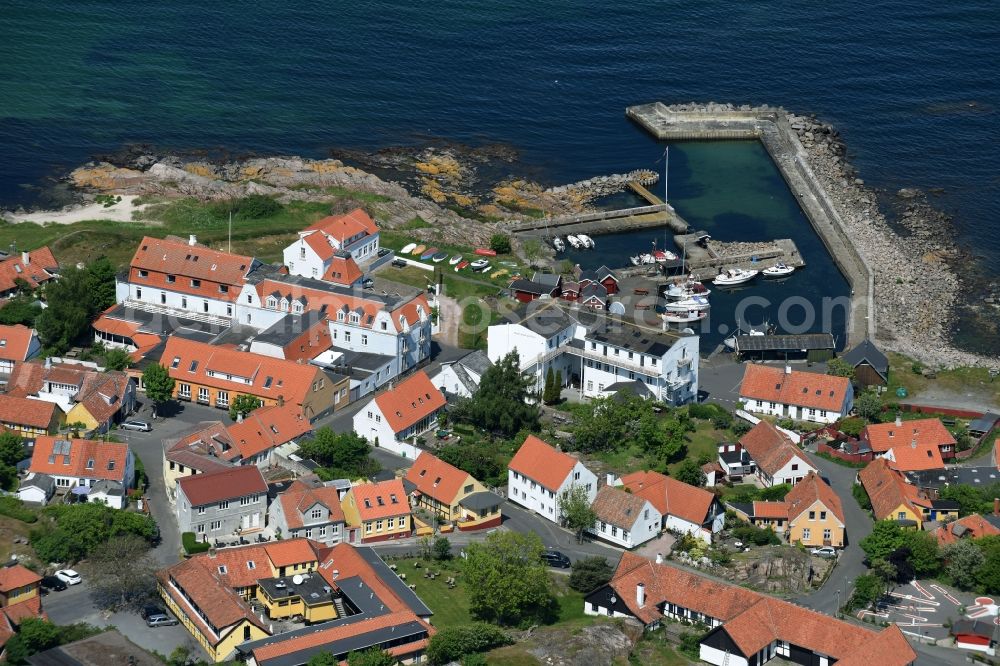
(538, 475)
(18, 343)
(30, 268)
(683, 508)
(82, 464)
(310, 511)
(787, 393)
(395, 418)
(313, 253)
(773, 456)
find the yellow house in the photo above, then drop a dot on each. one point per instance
(455, 496)
(815, 514)
(377, 512)
(892, 496)
(17, 585)
(29, 418)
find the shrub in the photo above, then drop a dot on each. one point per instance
(452, 643)
(756, 535)
(252, 207)
(191, 544)
(500, 243)
(852, 426)
(861, 497)
(14, 508)
(589, 574)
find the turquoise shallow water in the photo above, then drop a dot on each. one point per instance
(912, 86)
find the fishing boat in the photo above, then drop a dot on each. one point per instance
(408, 248)
(428, 253)
(486, 252)
(685, 317)
(418, 249)
(575, 242)
(778, 270)
(587, 241)
(663, 256)
(558, 244)
(733, 276)
(692, 303)
(456, 259)
(439, 257)
(678, 291)
(461, 265)
(479, 264)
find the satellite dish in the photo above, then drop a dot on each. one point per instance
(688, 331)
(297, 579)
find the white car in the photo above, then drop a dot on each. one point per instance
(825, 551)
(68, 576)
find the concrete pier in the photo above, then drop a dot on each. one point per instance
(605, 222)
(770, 126)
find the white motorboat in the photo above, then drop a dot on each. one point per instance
(778, 270)
(587, 241)
(663, 256)
(479, 265)
(575, 242)
(685, 317)
(733, 276)
(408, 248)
(455, 260)
(730, 342)
(558, 244)
(692, 303)
(642, 259)
(683, 290)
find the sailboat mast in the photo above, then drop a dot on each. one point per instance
(230, 231)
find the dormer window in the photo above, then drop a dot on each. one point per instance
(195, 283)
(143, 274)
(171, 279)
(355, 318)
(368, 504)
(297, 307)
(340, 316)
(272, 302)
(223, 288)
(193, 366)
(223, 570)
(392, 498)
(90, 463)
(175, 362)
(423, 472)
(111, 465)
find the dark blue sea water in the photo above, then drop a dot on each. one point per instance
(911, 85)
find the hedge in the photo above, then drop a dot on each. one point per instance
(191, 544)
(14, 508)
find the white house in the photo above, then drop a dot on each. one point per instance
(685, 509)
(595, 353)
(36, 488)
(624, 519)
(538, 474)
(804, 396)
(313, 512)
(773, 455)
(81, 463)
(461, 378)
(18, 343)
(311, 255)
(405, 411)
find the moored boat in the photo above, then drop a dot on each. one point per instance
(456, 259)
(439, 257)
(686, 289)
(778, 270)
(663, 256)
(733, 276)
(428, 253)
(408, 248)
(684, 317)
(558, 244)
(461, 265)
(587, 241)
(575, 242)
(418, 249)
(692, 303)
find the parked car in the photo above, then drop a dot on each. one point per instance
(399, 263)
(151, 610)
(52, 583)
(162, 620)
(69, 576)
(367, 283)
(141, 426)
(825, 551)
(554, 558)
(382, 251)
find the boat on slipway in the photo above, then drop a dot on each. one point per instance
(439, 257)
(734, 276)
(462, 264)
(418, 250)
(428, 253)
(408, 248)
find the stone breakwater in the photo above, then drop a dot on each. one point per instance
(602, 186)
(903, 290)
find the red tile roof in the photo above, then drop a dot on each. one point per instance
(616, 507)
(770, 510)
(106, 324)
(411, 400)
(270, 377)
(343, 270)
(909, 458)
(810, 490)
(770, 448)
(208, 440)
(268, 427)
(542, 463)
(202, 489)
(290, 551)
(15, 576)
(345, 226)
(22, 610)
(299, 498)
(343, 561)
(925, 432)
(887, 489)
(974, 527)
(670, 496)
(375, 500)
(27, 412)
(15, 341)
(45, 460)
(174, 256)
(805, 389)
(41, 264)
(437, 479)
(102, 394)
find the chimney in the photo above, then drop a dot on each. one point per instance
(788, 369)
(25, 258)
(996, 506)
(192, 240)
(610, 479)
(913, 443)
(899, 421)
(640, 594)
(659, 558)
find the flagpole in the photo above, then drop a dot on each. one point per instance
(666, 171)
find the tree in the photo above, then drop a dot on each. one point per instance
(500, 243)
(159, 385)
(480, 459)
(886, 536)
(118, 587)
(988, 576)
(117, 359)
(22, 309)
(868, 405)
(963, 561)
(242, 405)
(323, 659)
(507, 581)
(852, 426)
(371, 657)
(690, 473)
(550, 381)
(442, 549)
(867, 590)
(861, 496)
(452, 643)
(574, 505)
(342, 455)
(924, 554)
(840, 368)
(68, 314)
(500, 406)
(886, 572)
(99, 278)
(558, 387)
(11, 448)
(74, 530)
(589, 574)
(34, 635)
(970, 499)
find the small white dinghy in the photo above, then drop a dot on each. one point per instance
(558, 244)
(456, 259)
(778, 270)
(587, 241)
(408, 248)
(733, 276)
(575, 242)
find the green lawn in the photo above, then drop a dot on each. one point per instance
(975, 381)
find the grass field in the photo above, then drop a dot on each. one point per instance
(961, 381)
(704, 441)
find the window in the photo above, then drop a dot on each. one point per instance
(138, 292)
(184, 391)
(216, 525)
(201, 528)
(302, 252)
(795, 467)
(322, 532)
(378, 525)
(223, 288)
(222, 399)
(347, 336)
(806, 534)
(614, 531)
(251, 564)
(827, 534)
(364, 338)
(812, 515)
(175, 362)
(244, 501)
(143, 274)
(195, 283)
(90, 463)
(111, 464)
(468, 488)
(901, 515)
(201, 511)
(224, 504)
(202, 394)
(204, 306)
(163, 298)
(390, 523)
(316, 513)
(171, 279)
(822, 515)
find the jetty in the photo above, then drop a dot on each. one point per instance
(770, 126)
(605, 221)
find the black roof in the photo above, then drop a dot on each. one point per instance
(984, 423)
(529, 287)
(476, 361)
(632, 338)
(867, 352)
(393, 582)
(550, 280)
(634, 387)
(945, 505)
(981, 476)
(785, 342)
(542, 317)
(162, 324)
(744, 508)
(974, 627)
(481, 500)
(400, 294)
(289, 327)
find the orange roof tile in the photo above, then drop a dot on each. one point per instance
(907, 458)
(888, 490)
(542, 463)
(805, 389)
(975, 527)
(888, 648)
(299, 498)
(15, 576)
(810, 490)
(87, 458)
(770, 510)
(41, 264)
(15, 341)
(343, 270)
(106, 324)
(616, 507)
(202, 489)
(437, 479)
(174, 256)
(770, 448)
(324, 636)
(27, 412)
(220, 604)
(380, 500)
(268, 427)
(925, 432)
(670, 496)
(22, 610)
(290, 551)
(410, 401)
(345, 226)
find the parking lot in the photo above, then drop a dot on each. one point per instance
(927, 609)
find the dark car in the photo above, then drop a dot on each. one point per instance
(382, 251)
(368, 283)
(399, 263)
(53, 583)
(554, 558)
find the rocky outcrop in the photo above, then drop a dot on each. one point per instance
(599, 643)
